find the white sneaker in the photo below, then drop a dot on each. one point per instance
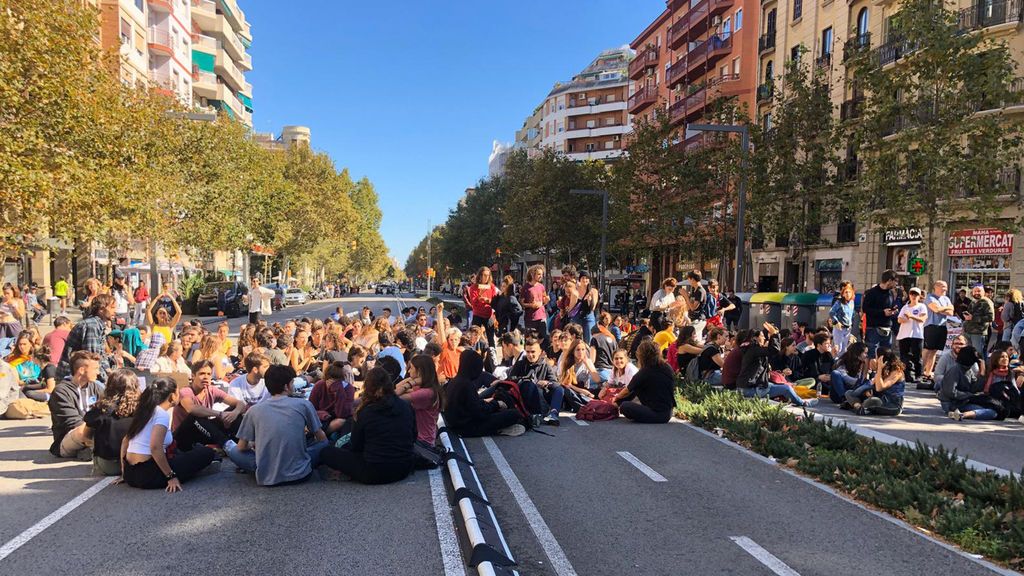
(513, 430)
(810, 402)
(956, 415)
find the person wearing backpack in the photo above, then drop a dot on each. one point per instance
(533, 367)
(469, 415)
(650, 396)
(702, 307)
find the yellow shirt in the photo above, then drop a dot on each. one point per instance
(226, 346)
(60, 289)
(164, 330)
(664, 338)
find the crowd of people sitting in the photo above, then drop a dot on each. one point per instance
(157, 403)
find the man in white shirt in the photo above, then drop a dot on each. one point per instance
(249, 388)
(663, 300)
(260, 299)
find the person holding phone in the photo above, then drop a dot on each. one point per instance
(879, 308)
(479, 297)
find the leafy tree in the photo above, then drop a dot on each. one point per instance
(473, 229)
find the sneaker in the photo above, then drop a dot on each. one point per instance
(513, 430)
(810, 402)
(552, 419)
(213, 468)
(1021, 419)
(852, 398)
(872, 402)
(956, 415)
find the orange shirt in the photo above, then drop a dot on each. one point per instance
(448, 362)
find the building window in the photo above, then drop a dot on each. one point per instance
(727, 28)
(739, 20)
(826, 41)
(862, 22)
(770, 26)
(766, 121)
(846, 231)
(126, 31)
(591, 147)
(735, 67)
(140, 43)
(609, 145)
(794, 54)
(798, 9)
(769, 71)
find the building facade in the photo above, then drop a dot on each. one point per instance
(290, 137)
(220, 58)
(124, 30)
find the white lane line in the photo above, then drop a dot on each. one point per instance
(647, 470)
(763, 556)
(559, 561)
(451, 556)
(34, 530)
(579, 422)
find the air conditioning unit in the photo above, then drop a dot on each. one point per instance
(716, 20)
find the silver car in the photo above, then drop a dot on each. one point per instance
(295, 296)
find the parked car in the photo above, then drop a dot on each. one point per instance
(386, 288)
(222, 298)
(295, 296)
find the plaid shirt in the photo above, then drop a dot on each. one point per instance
(89, 334)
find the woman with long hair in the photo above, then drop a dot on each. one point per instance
(23, 359)
(170, 359)
(160, 320)
(649, 398)
(144, 461)
(588, 300)
(850, 371)
(623, 370)
(12, 311)
(999, 397)
(684, 349)
(535, 301)
(334, 396)
(1011, 313)
(480, 295)
(507, 308)
(211, 348)
(424, 393)
(380, 450)
(578, 375)
(883, 395)
(246, 340)
(110, 417)
(841, 315)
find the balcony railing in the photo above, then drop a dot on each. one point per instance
(643, 97)
(894, 49)
(765, 92)
(985, 14)
(678, 32)
(160, 39)
(766, 42)
(855, 45)
(677, 111)
(850, 109)
(676, 72)
(708, 51)
(205, 5)
(1014, 97)
(824, 61)
(647, 58)
(204, 77)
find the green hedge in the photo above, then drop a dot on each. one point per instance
(932, 489)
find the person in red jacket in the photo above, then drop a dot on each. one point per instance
(334, 396)
(479, 296)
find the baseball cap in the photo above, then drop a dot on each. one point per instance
(916, 290)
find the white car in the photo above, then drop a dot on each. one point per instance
(294, 296)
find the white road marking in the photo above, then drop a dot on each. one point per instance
(763, 556)
(451, 556)
(559, 561)
(34, 530)
(647, 470)
(579, 422)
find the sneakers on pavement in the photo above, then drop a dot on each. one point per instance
(870, 403)
(552, 419)
(956, 415)
(513, 430)
(810, 402)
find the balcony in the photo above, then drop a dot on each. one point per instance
(766, 43)
(824, 61)
(856, 45)
(645, 59)
(852, 167)
(851, 109)
(1014, 97)
(697, 102)
(162, 6)
(707, 52)
(676, 72)
(986, 14)
(677, 111)
(226, 68)
(893, 50)
(160, 41)
(642, 98)
(690, 24)
(765, 92)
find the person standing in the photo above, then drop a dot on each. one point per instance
(879, 308)
(60, 291)
(663, 301)
(702, 307)
(588, 299)
(940, 310)
(535, 300)
(841, 316)
(480, 295)
(978, 319)
(260, 299)
(910, 337)
(141, 296)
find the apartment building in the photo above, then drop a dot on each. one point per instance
(695, 53)
(170, 47)
(220, 57)
(290, 137)
(529, 136)
(586, 118)
(824, 33)
(124, 30)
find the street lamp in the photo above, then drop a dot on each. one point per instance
(604, 230)
(741, 205)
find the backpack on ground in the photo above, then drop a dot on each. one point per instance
(692, 373)
(508, 393)
(597, 410)
(533, 397)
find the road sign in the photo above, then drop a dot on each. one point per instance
(917, 266)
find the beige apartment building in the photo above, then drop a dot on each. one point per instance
(220, 58)
(824, 32)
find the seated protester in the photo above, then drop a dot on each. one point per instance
(622, 370)
(266, 342)
(711, 358)
(734, 359)
(170, 360)
(947, 359)
(511, 352)
(333, 398)
(644, 331)
(849, 373)
(998, 398)
(603, 345)
(884, 394)
(144, 461)
(381, 447)
(556, 341)
(578, 375)
(470, 416)
(249, 387)
(424, 393)
(817, 361)
(684, 349)
(476, 341)
(68, 404)
(146, 358)
(650, 396)
(433, 350)
(272, 439)
(532, 367)
(332, 352)
(406, 342)
(395, 353)
(109, 419)
(788, 361)
(961, 381)
(665, 336)
(801, 334)
(753, 379)
(23, 359)
(357, 361)
(195, 419)
(41, 388)
(448, 339)
(391, 366)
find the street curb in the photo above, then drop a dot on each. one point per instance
(483, 540)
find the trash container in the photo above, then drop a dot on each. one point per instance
(800, 307)
(766, 307)
(53, 306)
(744, 310)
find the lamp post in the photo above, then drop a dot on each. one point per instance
(741, 204)
(429, 262)
(604, 231)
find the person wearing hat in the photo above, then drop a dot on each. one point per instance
(910, 337)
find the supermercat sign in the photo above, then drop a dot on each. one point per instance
(981, 242)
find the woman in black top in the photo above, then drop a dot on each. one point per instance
(110, 418)
(687, 347)
(381, 448)
(653, 387)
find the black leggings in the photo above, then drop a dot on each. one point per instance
(488, 327)
(35, 391)
(490, 425)
(637, 412)
(355, 466)
(186, 466)
(910, 353)
(203, 431)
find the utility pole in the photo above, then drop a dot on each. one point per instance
(429, 259)
(604, 232)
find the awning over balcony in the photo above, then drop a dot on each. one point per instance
(246, 101)
(203, 61)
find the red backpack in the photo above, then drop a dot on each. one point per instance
(597, 410)
(508, 392)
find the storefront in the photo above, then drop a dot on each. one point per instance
(980, 255)
(901, 246)
(767, 269)
(829, 274)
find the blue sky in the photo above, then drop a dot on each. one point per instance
(411, 94)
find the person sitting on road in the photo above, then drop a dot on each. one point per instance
(665, 335)
(144, 461)
(249, 387)
(947, 360)
(448, 339)
(532, 367)
(380, 450)
(734, 359)
(603, 345)
(622, 370)
(849, 373)
(712, 357)
(788, 360)
(753, 380)
(109, 419)
(272, 439)
(817, 361)
(266, 342)
(466, 413)
(685, 348)
(962, 380)
(68, 404)
(170, 359)
(197, 421)
(578, 375)
(998, 398)
(884, 394)
(650, 396)
(211, 348)
(334, 397)
(423, 392)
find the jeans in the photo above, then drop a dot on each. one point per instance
(1018, 331)
(554, 394)
(838, 385)
(186, 465)
(874, 341)
(980, 413)
(978, 341)
(247, 460)
(841, 339)
(910, 353)
(140, 313)
(774, 391)
(588, 323)
(714, 378)
(637, 412)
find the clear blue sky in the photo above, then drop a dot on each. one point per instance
(411, 94)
